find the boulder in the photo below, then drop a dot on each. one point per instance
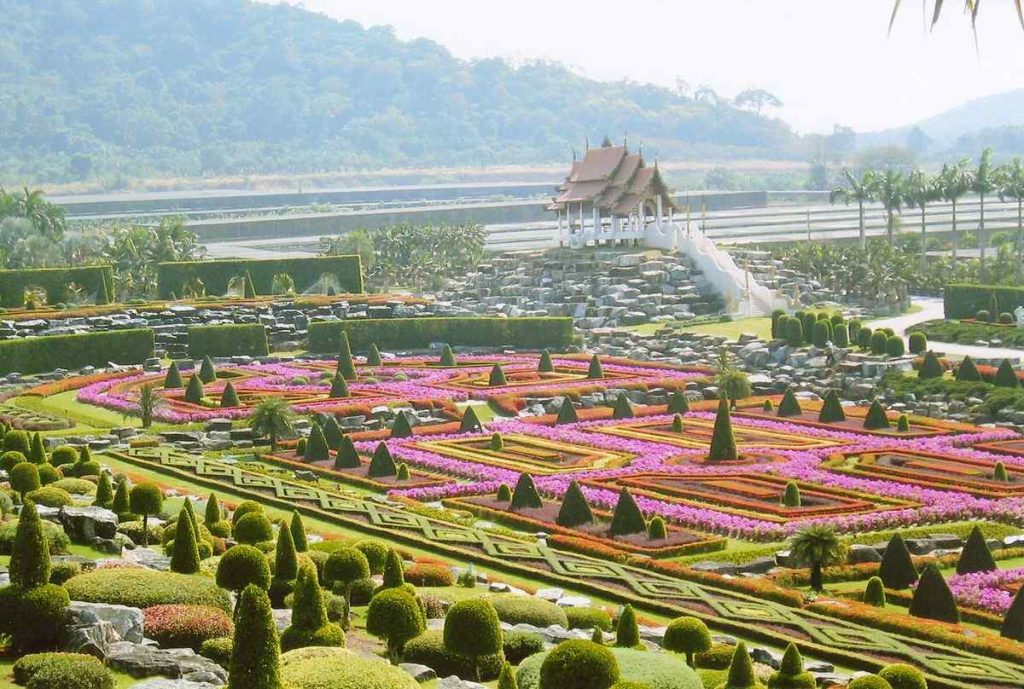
(126, 621)
(160, 683)
(176, 663)
(454, 682)
(420, 673)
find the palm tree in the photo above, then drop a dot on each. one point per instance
(1011, 186)
(272, 418)
(953, 182)
(921, 190)
(861, 191)
(888, 189)
(149, 403)
(970, 8)
(983, 182)
(818, 545)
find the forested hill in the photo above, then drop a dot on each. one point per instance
(130, 88)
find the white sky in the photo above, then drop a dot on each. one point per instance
(828, 60)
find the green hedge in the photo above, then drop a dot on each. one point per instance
(215, 275)
(41, 354)
(249, 339)
(98, 282)
(964, 301)
(419, 333)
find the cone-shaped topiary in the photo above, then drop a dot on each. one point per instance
(382, 464)
(504, 493)
(173, 378)
(373, 356)
(968, 371)
(229, 397)
(677, 403)
(903, 423)
(298, 530)
(497, 377)
(627, 518)
(316, 446)
(831, 409)
(931, 367)
(1013, 621)
(932, 598)
(741, 670)
(472, 629)
(874, 592)
(185, 556)
(403, 472)
(448, 356)
(401, 428)
(574, 510)
(768, 407)
(656, 530)
(525, 496)
(579, 664)
(597, 636)
(194, 392)
(121, 504)
(190, 512)
(347, 457)
(789, 406)
(594, 371)
(545, 365)
(470, 421)
(30, 552)
(207, 373)
(339, 388)
(999, 473)
(677, 423)
(36, 452)
(687, 635)
(346, 366)
(897, 570)
(627, 632)
(310, 626)
(622, 409)
(1005, 376)
(255, 652)
(394, 571)
(507, 678)
(976, 556)
(332, 432)
(104, 491)
(497, 442)
(395, 616)
(791, 496)
(791, 673)
(723, 441)
(876, 417)
(212, 514)
(286, 567)
(566, 413)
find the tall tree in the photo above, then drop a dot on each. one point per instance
(818, 546)
(859, 190)
(272, 418)
(953, 182)
(1011, 186)
(889, 191)
(921, 189)
(983, 182)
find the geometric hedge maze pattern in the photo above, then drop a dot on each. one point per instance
(730, 611)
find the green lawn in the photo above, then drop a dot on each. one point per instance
(761, 327)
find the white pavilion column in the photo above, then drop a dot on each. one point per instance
(657, 220)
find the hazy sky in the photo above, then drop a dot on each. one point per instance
(828, 60)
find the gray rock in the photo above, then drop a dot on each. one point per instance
(173, 684)
(126, 621)
(454, 682)
(177, 663)
(420, 673)
(863, 553)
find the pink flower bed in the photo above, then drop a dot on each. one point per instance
(984, 590)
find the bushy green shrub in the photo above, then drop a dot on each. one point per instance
(976, 555)
(428, 649)
(627, 519)
(983, 316)
(30, 554)
(831, 409)
(419, 333)
(43, 354)
(24, 478)
(253, 528)
(894, 346)
(241, 566)
(874, 592)
(144, 588)
(918, 343)
(654, 670)
(376, 554)
(472, 629)
(627, 631)
(310, 626)
(62, 671)
(62, 571)
(56, 539)
(396, 617)
(76, 486)
(337, 668)
(429, 574)
(868, 682)
(64, 454)
(518, 646)
(932, 598)
(877, 342)
(930, 367)
(741, 671)
(575, 509)
(687, 635)
(876, 417)
(186, 626)
(902, 676)
(218, 650)
(243, 508)
(723, 441)
(34, 618)
(49, 496)
(791, 673)
(579, 665)
(588, 618)
(255, 656)
(968, 371)
(897, 570)
(516, 609)
(718, 657)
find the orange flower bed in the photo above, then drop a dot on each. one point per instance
(76, 382)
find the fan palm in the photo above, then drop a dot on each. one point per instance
(818, 545)
(888, 190)
(953, 182)
(983, 182)
(921, 190)
(861, 191)
(970, 8)
(272, 418)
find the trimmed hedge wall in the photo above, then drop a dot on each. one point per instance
(97, 281)
(247, 339)
(964, 301)
(419, 333)
(41, 354)
(216, 275)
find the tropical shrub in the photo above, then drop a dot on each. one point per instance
(62, 671)
(186, 626)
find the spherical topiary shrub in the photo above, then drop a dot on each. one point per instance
(428, 649)
(337, 668)
(983, 316)
(49, 474)
(877, 342)
(42, 612)
(918, 343)
(186, 626)
(430, 574)
(396, 617)
(143, 588)
(579, 664)
(62, 671)
(472, 629)
(894, 346)
(253, 528)
(901, 676)
(343, 568)
(242, 565)
(76, 486)
(50, 497)
(11, 459)
(1005, 318)
(64, 454)
(24, 478)
(655, 670)
(687, 635)
(868, 682)
(245, 507)
(376, 554)
(516, 609)
(588, 618)
(518, 646)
